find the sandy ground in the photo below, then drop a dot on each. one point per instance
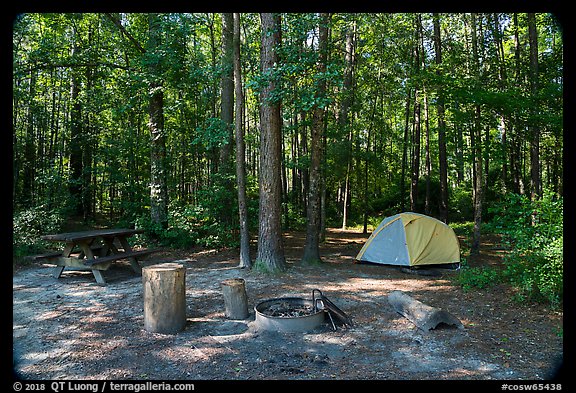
(71, 328)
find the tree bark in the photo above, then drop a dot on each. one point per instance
(442, 157)
(476, 141)
(76, 141)
(344, 118)
(415, 171)
(158, 172)
(235, 298)
(270, 248)
(534, 129)
(245, 260)
(405, 152)
(422, 315)
(164, 298)
(227, 117)
(312, 246)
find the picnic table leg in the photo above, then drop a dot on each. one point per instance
(110, 246)
(133, 261)
(57, 272)
(85, 246)
(99, 277)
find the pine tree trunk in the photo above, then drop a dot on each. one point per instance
(405, 152)
(270, 247)
(415, 173)
(477, 149)
(227, 117)
(245, 260)
(442, 156)
(534, 129)
(343, 120)
(312, 246)
(76, 141)
(158, 175)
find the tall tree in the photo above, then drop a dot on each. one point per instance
(415, 172)
(270, 246)
(245, 261)
(313, 227)
(442, 159)
(344, 116)
(158, 169)
(76, 136)
(227, 114)
(534, 129)
(476, 141)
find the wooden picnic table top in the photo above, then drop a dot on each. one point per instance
(83, 235)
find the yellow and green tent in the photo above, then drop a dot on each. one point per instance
(411, 239)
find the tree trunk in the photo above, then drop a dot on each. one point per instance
(534, 129)
(343, 120)
(311, 248)
(415, 145)
(415, 172)
(28, 167)
(245, 260)
(477, 150)
(270, 248)
(76, 141)
(405, 152)
(227, 117)
(442, 157)
(158, 172)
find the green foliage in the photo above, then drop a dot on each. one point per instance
(534, 231)
(29, 224)
(477, 277)
(460, 204)
(201, 224)
(365, 146)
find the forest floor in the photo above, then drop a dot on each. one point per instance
(71, 328)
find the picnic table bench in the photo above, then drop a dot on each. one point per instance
(94, 250)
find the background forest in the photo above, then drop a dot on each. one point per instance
(159, 121)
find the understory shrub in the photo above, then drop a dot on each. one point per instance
(534, 232)
(477, 277)
(29, 224)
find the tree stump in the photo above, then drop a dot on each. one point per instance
(164, 298)
(424, 316)
(235, 299)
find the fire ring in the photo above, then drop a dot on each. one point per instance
(288, 314)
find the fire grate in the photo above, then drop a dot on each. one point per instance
(293, 314)
(288, 314)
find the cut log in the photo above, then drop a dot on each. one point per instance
(422, 315)
(164, 298)
(235, 299)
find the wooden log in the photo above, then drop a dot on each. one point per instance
(422, 315)
(164, 298)
(235, 299)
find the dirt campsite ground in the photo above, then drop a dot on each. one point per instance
(71, 328)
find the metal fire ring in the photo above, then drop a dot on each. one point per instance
(302, 323)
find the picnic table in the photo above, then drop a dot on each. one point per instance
(94, 250)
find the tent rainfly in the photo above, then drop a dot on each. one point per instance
(411, 239)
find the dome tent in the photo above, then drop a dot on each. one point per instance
(411, 239)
